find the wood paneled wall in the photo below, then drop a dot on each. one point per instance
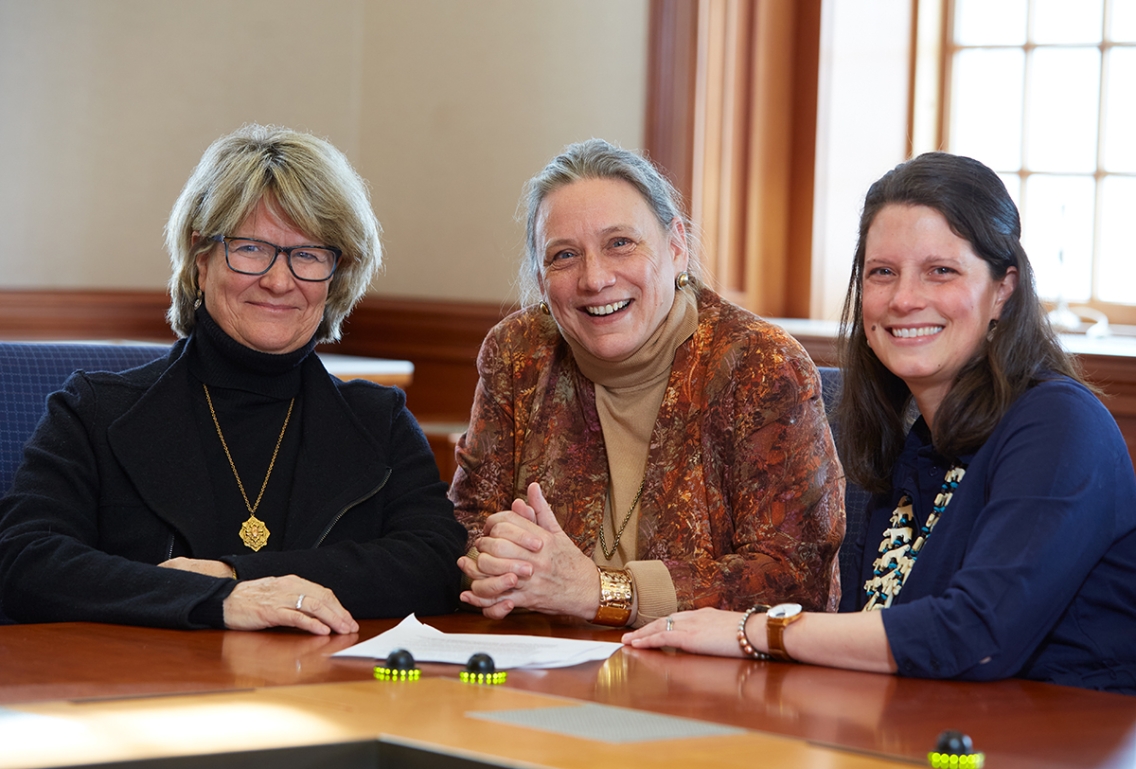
(61, 315)
(441, 339)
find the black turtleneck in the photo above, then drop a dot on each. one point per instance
(250, 391)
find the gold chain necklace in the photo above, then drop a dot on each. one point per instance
(626, 518)
(253, 531)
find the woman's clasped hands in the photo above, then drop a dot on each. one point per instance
(525, 560)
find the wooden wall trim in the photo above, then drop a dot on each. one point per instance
(84, 314)
(419, 329)
(441, 339)
(732, 109)
(671, 65)
(806, 74)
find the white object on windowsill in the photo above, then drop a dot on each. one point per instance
(1068, 319)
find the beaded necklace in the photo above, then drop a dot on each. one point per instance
(898, 552)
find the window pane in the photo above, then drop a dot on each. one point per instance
(1116, 261)
(1061, 21)
(986, 113)
(1122, 26)
(1057, 232)
(990, 22)
(1062, 113)
(1120, 111)
(1013, 184)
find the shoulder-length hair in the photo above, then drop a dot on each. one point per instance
(1020, 350)
(598, 159)
(302, 177)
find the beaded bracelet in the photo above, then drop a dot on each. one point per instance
(743, 640)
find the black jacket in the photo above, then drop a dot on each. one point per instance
(114, 481)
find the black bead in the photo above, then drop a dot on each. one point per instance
(400, 659)
(481, 663)
(954, 743)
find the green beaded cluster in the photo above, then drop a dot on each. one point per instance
(483, 678)
(952, 761)
(386, 674)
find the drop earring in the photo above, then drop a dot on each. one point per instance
(544, 308)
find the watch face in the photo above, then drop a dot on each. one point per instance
(782, 610)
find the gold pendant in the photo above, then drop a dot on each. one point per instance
(254, 533)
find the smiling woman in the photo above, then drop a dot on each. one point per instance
(1003, 534)
(671, 448)
(272, 310)
(928, 300)
(235, 483)
(609, 265)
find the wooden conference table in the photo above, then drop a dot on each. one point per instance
(78, 693)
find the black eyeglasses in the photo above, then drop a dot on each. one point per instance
(250, 256)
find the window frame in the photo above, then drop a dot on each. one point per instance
(1117, 313)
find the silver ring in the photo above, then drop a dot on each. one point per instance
(670, 624)
(300, 603)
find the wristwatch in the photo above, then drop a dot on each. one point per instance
(776, 620)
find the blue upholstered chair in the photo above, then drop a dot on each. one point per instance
(855, 498)
(30, 371)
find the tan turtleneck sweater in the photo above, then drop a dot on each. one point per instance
(628, 396)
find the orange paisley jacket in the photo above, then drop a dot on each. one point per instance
(744, 494)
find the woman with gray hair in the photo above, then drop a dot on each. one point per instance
(671, 448)
(235, 483)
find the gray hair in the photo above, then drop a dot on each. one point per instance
(598, 159)
(298, 175)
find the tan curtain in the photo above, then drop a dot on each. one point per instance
(732, 116)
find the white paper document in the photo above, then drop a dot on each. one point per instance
(428, 644)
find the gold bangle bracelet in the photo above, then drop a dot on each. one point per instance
(616, 595)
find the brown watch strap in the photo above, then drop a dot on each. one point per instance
(775, 635)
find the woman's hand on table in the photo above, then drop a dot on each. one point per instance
(525, 560)
(703, 631)
(289, 601)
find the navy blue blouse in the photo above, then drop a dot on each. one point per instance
(1031, 572)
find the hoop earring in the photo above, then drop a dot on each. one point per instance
(682, 280)
(544, 308)
(990, 330)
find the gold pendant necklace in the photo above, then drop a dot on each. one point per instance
(253, 531)
(622, 526)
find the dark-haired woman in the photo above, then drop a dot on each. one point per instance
(1003, 528)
